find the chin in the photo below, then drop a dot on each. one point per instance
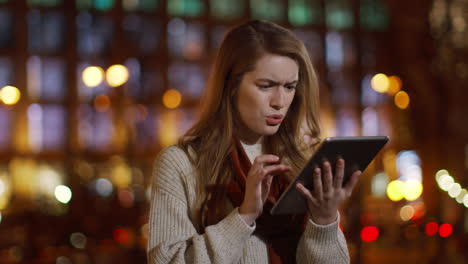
(269, 131)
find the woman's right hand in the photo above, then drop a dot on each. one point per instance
(258, 185)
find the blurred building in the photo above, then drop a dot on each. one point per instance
(92, 90)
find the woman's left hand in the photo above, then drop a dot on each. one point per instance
(328, 193)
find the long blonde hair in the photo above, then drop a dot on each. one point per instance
(210, 138)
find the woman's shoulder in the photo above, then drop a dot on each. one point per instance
(174, 157)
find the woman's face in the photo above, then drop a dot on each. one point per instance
(264, 96)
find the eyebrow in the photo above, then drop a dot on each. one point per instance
(274, 82)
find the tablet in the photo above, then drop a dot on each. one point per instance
(357, 152)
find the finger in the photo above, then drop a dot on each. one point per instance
(262, 159)
(352, 182)
(317, 179)
(327, 177)
(274, 169)
(339, 173)
(306, 193)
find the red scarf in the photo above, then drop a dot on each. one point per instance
(281, 232)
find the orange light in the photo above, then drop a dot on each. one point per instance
(172, 98)
(102, 103)
(402, 100)
(121, 235)
(394, 85)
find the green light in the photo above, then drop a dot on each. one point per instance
(226, 9)
(301, 12)
(268, 10)
(104, 5)
(191, 8)
(339, 14)
(373, 15)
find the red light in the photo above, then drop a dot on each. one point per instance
(445, 230)
(432, 228)
(369, 233)
(121, 236)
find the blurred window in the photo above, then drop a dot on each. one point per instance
(5, 128)
(46, 126)
(46, 78)
(45, 3)
(226, 9)
(339, 14)
(188, 78)
(6, 72)
(46, 31)
(304, 12)
(6, 29)
(373, 15)
(94, 33)
(189, 8)
(267, 9)
(140, 5)
(141, 33)
(101, 5)
(185, 40)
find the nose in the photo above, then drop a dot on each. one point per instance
(277, 100)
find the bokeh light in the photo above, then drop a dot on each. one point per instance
(117, 75)
(395, 190)
(369, 233)
(63, 194)
(461, 196)
(380, 83)
(445, 182)
(102, 103)
(454, 190)
(431, 228)
(413, 190)
(394, 85)
(440, 173)
(93, 76)
(0, 217)
(445, 230)
(78, 240)
(172, 98)
(402, 100)
(121, 235)
(406, 212)
(103, 187)
(10, 95)
(63, 260)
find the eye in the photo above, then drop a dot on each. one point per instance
(263, 86)
(291, 87)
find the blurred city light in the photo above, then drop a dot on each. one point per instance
(63, 260)
(431, 228)
(445, 182)
(413, 190)
(395, 190)
(117, 75)
(78, 240)
(394, 85)
(369, 233)
(445, 230)
(172, 98)
(63, 194)
(103, 187)
(93, 76)
(402, 100)
(454, 190)
(406, 212)
(0, 217)
(440, 173)
(460, 197)
(379, 184)
(10, 95)
(102, 103)
(121, 235)
(380, 83)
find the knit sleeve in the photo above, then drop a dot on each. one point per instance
(173, 237)
(322, 244)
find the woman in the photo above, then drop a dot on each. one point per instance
(212, 192)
